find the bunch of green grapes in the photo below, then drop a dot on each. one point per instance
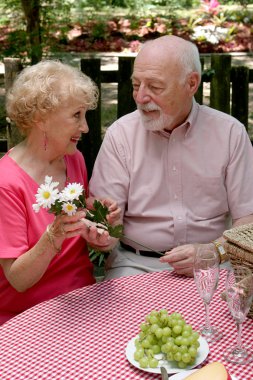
(166, 334)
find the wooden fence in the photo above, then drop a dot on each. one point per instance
(229, 92)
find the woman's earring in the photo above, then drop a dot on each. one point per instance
(45, 141)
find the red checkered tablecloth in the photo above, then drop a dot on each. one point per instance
(83, 334)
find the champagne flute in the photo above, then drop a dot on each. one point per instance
(206, 274)
(239, 296)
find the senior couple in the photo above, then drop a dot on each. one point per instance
(173, 172)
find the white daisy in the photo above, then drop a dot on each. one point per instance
(47, 194)
(71, 191)
(69, 208)
(48, 181)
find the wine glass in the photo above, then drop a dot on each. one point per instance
(239, 296)
(206, 275)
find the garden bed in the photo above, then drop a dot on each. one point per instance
(117, 35)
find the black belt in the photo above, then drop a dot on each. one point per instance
(142, 253)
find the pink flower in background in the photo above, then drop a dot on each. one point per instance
(211, 6)
(214, 4)
(135, 46)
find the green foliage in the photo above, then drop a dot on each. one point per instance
(16, 46)
(93, 5)
(175, 3)
(219, 19)
(192, 22)
(243, 3)
(240, 15)
(97, 257)
(53, 13)
(138, 4)
(98, 215)
(99, 29)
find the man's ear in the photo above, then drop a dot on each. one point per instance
(193, 82)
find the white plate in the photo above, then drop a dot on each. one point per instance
(182, 375)
(171, 367)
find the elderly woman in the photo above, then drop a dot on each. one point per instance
(42, 256)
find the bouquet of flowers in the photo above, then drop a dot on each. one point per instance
(69, 201)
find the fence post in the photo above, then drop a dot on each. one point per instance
(240, 94)
(91, 141)
(12, 67)
(126, 102)
(220, 82)
(199, 94)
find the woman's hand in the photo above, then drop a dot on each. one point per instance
(65, 226)
(26, 270)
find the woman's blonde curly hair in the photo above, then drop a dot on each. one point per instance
(42, 88)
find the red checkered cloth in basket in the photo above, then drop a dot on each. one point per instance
(83, 334)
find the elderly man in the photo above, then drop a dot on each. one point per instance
(179, 170)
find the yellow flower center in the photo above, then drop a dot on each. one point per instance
(72, 191)
(69, 207)
(46, 194)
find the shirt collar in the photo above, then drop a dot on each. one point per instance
(163, 133)
(187, 124)
(192, 116)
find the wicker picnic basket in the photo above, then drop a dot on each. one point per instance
(239, 247)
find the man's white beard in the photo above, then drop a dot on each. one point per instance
(162, 122)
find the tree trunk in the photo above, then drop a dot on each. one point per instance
(31, 10)
(12, 68)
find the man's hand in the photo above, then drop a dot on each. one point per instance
(182, 258)
(114, 216)
(114, 212)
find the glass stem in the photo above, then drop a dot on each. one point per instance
(207, 322)
(239, 335)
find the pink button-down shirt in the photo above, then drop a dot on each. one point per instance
(181, 187)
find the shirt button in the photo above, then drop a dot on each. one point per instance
(179, 218)
(175, 196)
(174, 168)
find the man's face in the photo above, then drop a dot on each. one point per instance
(160, 94)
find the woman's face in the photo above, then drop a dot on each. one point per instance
(64, 127)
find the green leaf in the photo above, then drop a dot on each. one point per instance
(101, 260)
(80, 202)
(116, 231)
(97, 256)
(56, 208)
(100, 212)
(98, 215)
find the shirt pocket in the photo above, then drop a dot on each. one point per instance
(207, 198)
